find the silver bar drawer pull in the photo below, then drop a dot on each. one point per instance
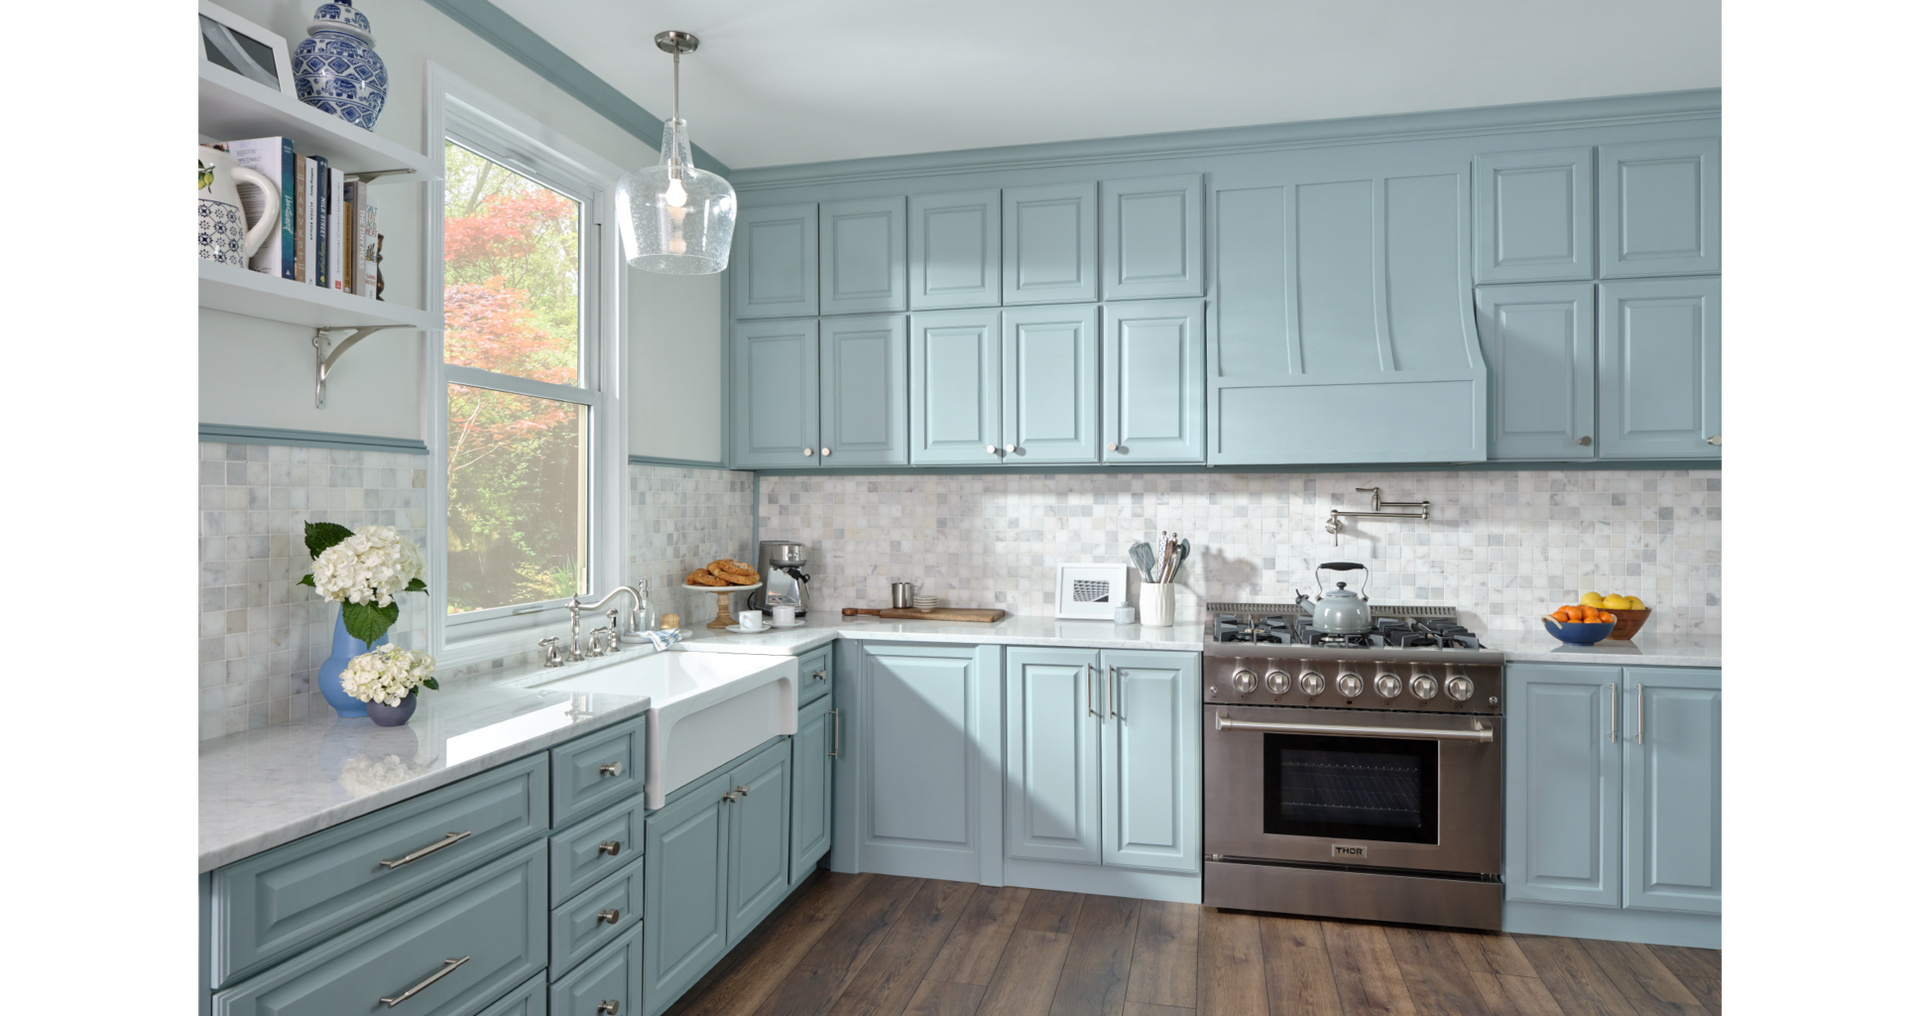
(452, 965)
(1221, 721)
(835, 753)
(610, 768)
(452, 838)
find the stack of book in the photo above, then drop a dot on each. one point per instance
(329, 230)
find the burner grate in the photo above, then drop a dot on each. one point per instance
(1293, 610)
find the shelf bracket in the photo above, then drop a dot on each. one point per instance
(323, 361)
(368, 176)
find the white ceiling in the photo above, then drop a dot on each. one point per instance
(794, 81)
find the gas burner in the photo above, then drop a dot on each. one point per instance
(1394, 629)
(1269, 630)
(1340, 640)
(1412, 633)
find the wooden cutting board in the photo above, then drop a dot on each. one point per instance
(985, 616)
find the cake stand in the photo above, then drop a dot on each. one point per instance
(724, 619)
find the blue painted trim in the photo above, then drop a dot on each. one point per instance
(234, 433)
(545, 59)
(1524, 917)
(1618, 465)
(1531, 116)
(653, 460)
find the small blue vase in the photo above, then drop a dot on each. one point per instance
(335, 69)
(345, 648)
(385, 715)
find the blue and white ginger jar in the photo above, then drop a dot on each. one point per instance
(335, 69)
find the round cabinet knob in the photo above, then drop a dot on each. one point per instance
(808, 452)
(1714, 440)
(1311, 684)
(1244, 681)
(1388, 685)
(824, 452)
(611, 848)
(1585, 441)
(608, 1008)
(991, 450)
(1459, 689)
(609, 916)
(1423, 686)
(1277, 681)
(1349, 685)
(1113, 446)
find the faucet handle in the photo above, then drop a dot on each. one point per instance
(552, 646)
(596, 645)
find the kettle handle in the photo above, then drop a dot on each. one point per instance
(1346, 566)
(257, 231)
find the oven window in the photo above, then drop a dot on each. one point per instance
(1363, 788)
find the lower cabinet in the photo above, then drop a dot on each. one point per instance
(815, 746)
(607, 984)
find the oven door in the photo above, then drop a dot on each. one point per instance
(1353, 787)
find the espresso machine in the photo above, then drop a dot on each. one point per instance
(779, 566)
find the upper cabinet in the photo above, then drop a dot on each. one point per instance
(1533, 216)
(1660, 368)
(955, 390)
(823, 392)
(863, 256)
(1050, 250)
(1150, 238)
(953, 250)
(1154, 390)
(775, 264)
(776, 393)
(1660, 208)
(1539, 344)
(1050, 383)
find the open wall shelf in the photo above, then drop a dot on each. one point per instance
(233, 108)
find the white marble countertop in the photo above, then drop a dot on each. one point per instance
(1015, 630)
(1647, 649)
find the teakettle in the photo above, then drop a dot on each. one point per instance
(225, 234)
(1340, 611)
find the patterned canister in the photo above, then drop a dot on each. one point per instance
(335, 69)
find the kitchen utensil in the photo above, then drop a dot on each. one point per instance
(1142, 556)
(723, 617)
(1340, 611)
(1627, 623)
(903, 594)
(1180, 558)
(225, 234)
(1579, 634)
(1156, 604)
(983, 615)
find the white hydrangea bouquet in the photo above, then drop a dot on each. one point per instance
(388, 675)
(362, 570)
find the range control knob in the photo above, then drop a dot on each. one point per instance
(1277, 681)
(1388, 685)
(1311, 684)
(1423, 686)
(1459, 689)
(1349, 685)
(1244, 681)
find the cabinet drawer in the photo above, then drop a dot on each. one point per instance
(529, 999)
(816, 674)
(611, 976)
(272, 904)
(599, 769)
(594, 848)
(459, 948)
(592, 919)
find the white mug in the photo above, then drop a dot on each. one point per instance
(752, 620)
(782, 615)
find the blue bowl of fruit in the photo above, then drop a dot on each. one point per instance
(1579, 626)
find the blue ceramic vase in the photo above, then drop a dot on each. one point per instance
(335, 69)
(392, 716)
(345, 648)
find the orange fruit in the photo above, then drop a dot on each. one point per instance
(1561, 615)
(1606, 618)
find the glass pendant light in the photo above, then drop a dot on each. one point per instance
(675, 219)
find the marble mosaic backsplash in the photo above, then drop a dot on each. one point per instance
(678, 519)
(1502, 546)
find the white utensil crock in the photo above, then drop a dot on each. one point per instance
(1156, 604)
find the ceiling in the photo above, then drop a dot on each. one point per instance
(782, 81)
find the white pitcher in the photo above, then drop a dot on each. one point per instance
(225, 235)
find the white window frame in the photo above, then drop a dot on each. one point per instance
(459, 111)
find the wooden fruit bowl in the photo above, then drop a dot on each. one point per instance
(1626, 622)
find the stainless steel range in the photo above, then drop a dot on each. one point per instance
(1352, 775)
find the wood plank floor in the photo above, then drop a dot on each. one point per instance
(876, 945)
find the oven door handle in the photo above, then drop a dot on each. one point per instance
(1221, 721)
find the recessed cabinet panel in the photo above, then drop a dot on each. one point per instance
(757, 831)
(1150, 238)
(813, 758)
(1153, 360)
(776, 262)
(1333, 261)
(1539, 344)
(1150, 760)
(1533, 215)
(863, 256)
(1426, 273)
(954, 405)
(1660, 208)
(1250, 284)
(1054, 713)
(1051, 382)
(1659, 393)
(776, 394)
(686, 891)
(1673, 788)
(863, 391)
(953, 250)
(1365, 420)
(1563, 785)
(1050, 244)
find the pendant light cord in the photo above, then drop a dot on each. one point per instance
(673, 161)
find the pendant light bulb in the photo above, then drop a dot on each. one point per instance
(675, 219)
(676, 194)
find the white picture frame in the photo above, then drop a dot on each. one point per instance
(233, 43)
(1089, 591)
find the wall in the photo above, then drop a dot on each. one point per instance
(678, 519)
(1502, 546)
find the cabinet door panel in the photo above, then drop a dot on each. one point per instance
(954, 407)
(1660, 208)
(686, 891)
(953, 250)
(1150, 761)
(612, 975)
(776, 262)
(758, 833)
(1051, 381)
(812, 786)
(1673, 789)
(581, 782)
(1153, 359)
(863, 391)
(1054, 716)
(1150, 244)
(594, 847)
(1659, 391)
(1250, 311)
(1050, 244)
(1539, 344)
(1563, 784)
(776, 394)
(863, 256)
(1533, 215)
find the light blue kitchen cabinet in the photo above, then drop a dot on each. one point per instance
(1050, 379)
(602, 767)
(863, 256)
(1153, 380)
(582, 926)
(775, 261)
(953, 250)
(1539, 344)
(1563, 784)
(954, 398)
(606, 984)
(595, 847)
(1054, 717)
(1660, 208)
(1150, 761)
(685, 901)
(1533, 216)
(1150, 238)
(1659, 369)
(863, 392)
(776, 394)
(529, 999)
(1051, 251)
(758, 826)
(815, 746)
(1673, 789)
